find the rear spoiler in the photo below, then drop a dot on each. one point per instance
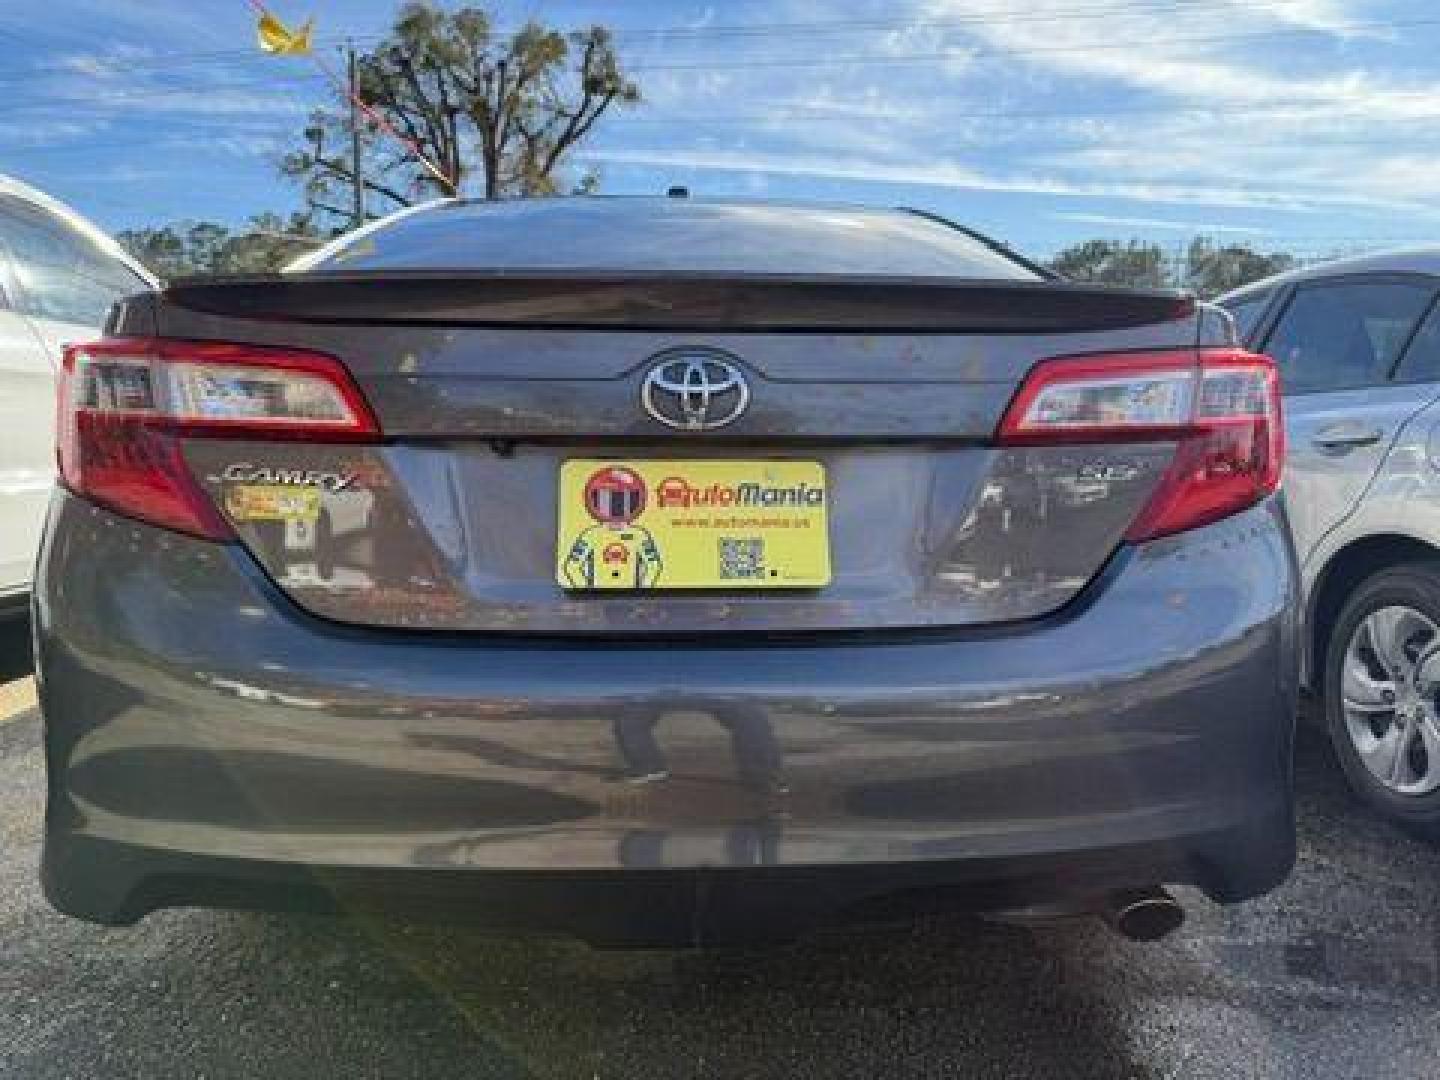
(693, 302)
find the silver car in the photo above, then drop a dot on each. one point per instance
(1357, 343)
(670, 571)
(59, 277)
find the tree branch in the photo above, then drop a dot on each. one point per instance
(423, 107)
(509, 108)
(341, 171)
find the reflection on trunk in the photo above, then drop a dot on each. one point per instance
(461, 536)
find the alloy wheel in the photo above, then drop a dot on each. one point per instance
(1389, 684)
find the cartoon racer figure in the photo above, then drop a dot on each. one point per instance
(614, 553)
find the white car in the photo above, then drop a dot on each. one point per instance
(59, 276)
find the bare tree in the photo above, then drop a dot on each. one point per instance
(496, 112)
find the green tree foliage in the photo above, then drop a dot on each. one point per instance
(200, 248)
(1209, 268)
(496, 114)
(1212, 269)
(1112, 263)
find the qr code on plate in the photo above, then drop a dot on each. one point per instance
(742, 557)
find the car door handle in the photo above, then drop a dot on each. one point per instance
(1342, 437)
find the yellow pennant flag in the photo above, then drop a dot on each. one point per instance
(275, 37)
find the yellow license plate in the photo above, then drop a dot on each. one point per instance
(665, 524)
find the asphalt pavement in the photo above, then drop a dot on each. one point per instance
(1335, 975)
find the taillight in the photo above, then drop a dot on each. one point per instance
(125, 403)
(1220, 406)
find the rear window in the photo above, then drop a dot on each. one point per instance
(62, 274)
(672, 236)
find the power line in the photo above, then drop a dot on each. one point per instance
(971, 54)
(161, 144)
(999, 16)
(155, 63)
(279, 134)
(121, 68)
(168, 90)
(284, 140)
(1357, 110)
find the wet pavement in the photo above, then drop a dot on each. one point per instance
(1335, 975)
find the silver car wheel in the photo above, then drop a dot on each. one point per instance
(1389, 684)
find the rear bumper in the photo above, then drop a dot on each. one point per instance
(207, 743)
(117, 884)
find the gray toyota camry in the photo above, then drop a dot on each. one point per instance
(665, 571)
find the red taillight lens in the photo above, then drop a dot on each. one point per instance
(1221, 407)
(126, 402)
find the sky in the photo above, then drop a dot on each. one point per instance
(1303, 125)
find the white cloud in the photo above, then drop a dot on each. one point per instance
(1337, 19)
(1218, 104)
(1157, 223)
(1289, 106)
(87, 64)
(113, 62)
(939, 173)
(51, 129)
(1206, 61)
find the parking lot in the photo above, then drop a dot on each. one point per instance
(1337, 974)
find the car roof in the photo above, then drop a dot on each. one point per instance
(18, 189)
(1416, 260)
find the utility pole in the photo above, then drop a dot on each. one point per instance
(356, 178)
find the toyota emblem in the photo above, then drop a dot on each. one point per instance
(695, 390)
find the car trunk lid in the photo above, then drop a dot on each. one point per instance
(486, 385)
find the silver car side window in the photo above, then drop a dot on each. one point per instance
(1421, 362)
(1338, 335)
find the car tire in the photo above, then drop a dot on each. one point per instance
(1391, 620)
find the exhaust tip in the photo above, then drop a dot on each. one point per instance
(1143, 914)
